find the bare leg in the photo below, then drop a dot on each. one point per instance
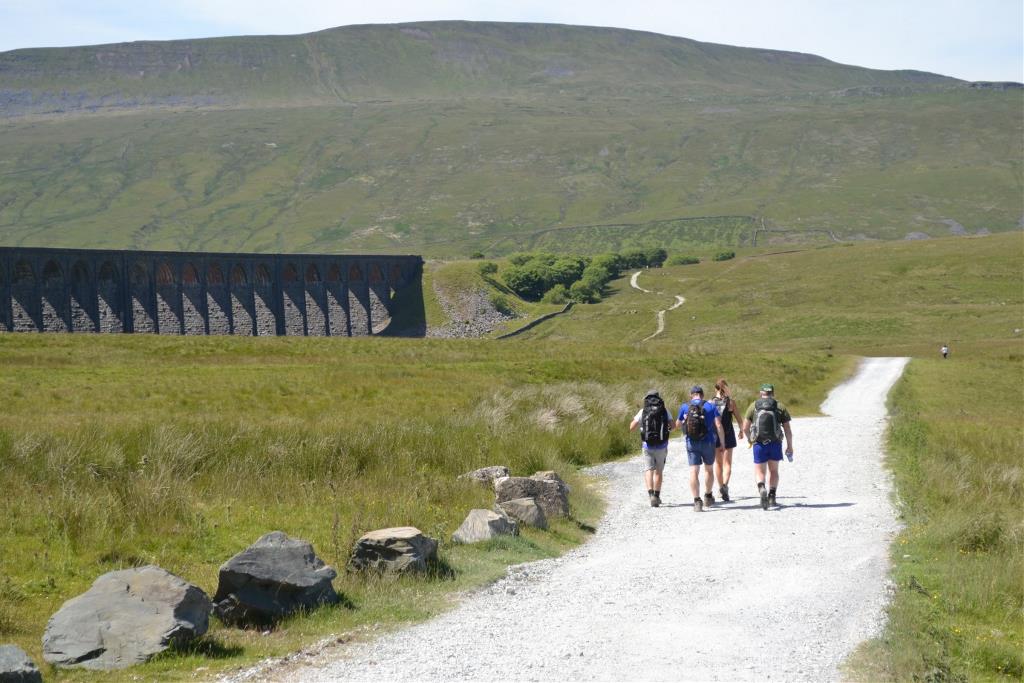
(759, 471)
(649, 480)
(773, 478)
(657, 480)
(726, 473)
(709, 478)
(694, 480)
(719, 461)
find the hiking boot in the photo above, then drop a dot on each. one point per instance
(657, 499)
(698, 506)
(725, 493)
(764, 499)
(771, 499)
(653, 499)
(709, 499)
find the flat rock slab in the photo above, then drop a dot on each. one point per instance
(524, 511)
(483, 525)
(394, 550)
(486, 475)
(274, 577)
(125, 618)
(551, 496)
(17, 667)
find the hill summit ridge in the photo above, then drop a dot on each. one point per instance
(437, 59)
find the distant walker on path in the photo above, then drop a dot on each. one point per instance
(764, 424)
(945, 350)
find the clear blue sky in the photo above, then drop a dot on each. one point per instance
(969, 39)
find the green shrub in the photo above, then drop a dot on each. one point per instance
(725, 255)
(520, 258)
(476, 255)
(502, 304)
(488, 268)
(585, 292)
(558, 294)
(529, 280)
(681, 260)
(634, 258)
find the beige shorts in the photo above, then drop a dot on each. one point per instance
(654, 458)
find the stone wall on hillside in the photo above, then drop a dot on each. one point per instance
(85, 290)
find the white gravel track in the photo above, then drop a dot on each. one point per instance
(733, 593)
(680, 300)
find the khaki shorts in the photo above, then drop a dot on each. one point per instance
(654, 458)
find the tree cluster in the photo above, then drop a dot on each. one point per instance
(557, 279)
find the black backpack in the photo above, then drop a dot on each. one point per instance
(694, 424)
(654, 421)
(767, 425)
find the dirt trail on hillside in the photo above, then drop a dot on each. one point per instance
(733, 593)
(634, 282)
(680, 300)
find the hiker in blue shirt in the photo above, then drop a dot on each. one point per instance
(700, 421)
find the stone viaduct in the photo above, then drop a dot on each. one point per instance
(85, 290)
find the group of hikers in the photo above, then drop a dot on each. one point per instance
(711, 438)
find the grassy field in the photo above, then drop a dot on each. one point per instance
(226, 439)
(957, 452)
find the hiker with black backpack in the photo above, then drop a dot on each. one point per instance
(700, 420)
(655, 424)
(764, 423)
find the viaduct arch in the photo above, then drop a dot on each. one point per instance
(93, 291)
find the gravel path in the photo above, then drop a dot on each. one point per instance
(680, 300)
(634, 282)
(733, 593)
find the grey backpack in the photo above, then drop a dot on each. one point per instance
(767, 425)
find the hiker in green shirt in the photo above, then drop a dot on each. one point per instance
(764, 423)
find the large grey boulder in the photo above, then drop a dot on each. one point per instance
(17, 667)
(524, 511)
(274, 577)
(486, 475)
(483, 525)
(394, 550)
(551, 475)
(551, 496)
(125, 618)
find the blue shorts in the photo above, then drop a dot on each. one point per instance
(702, 452)
(769, 451)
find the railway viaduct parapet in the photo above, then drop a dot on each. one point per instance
(86, 290)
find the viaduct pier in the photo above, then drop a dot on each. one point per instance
(157, 292)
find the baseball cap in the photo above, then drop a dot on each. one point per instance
(652, 392)
(697, 389)
(768, 387)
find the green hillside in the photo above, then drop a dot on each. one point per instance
(451, 137)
